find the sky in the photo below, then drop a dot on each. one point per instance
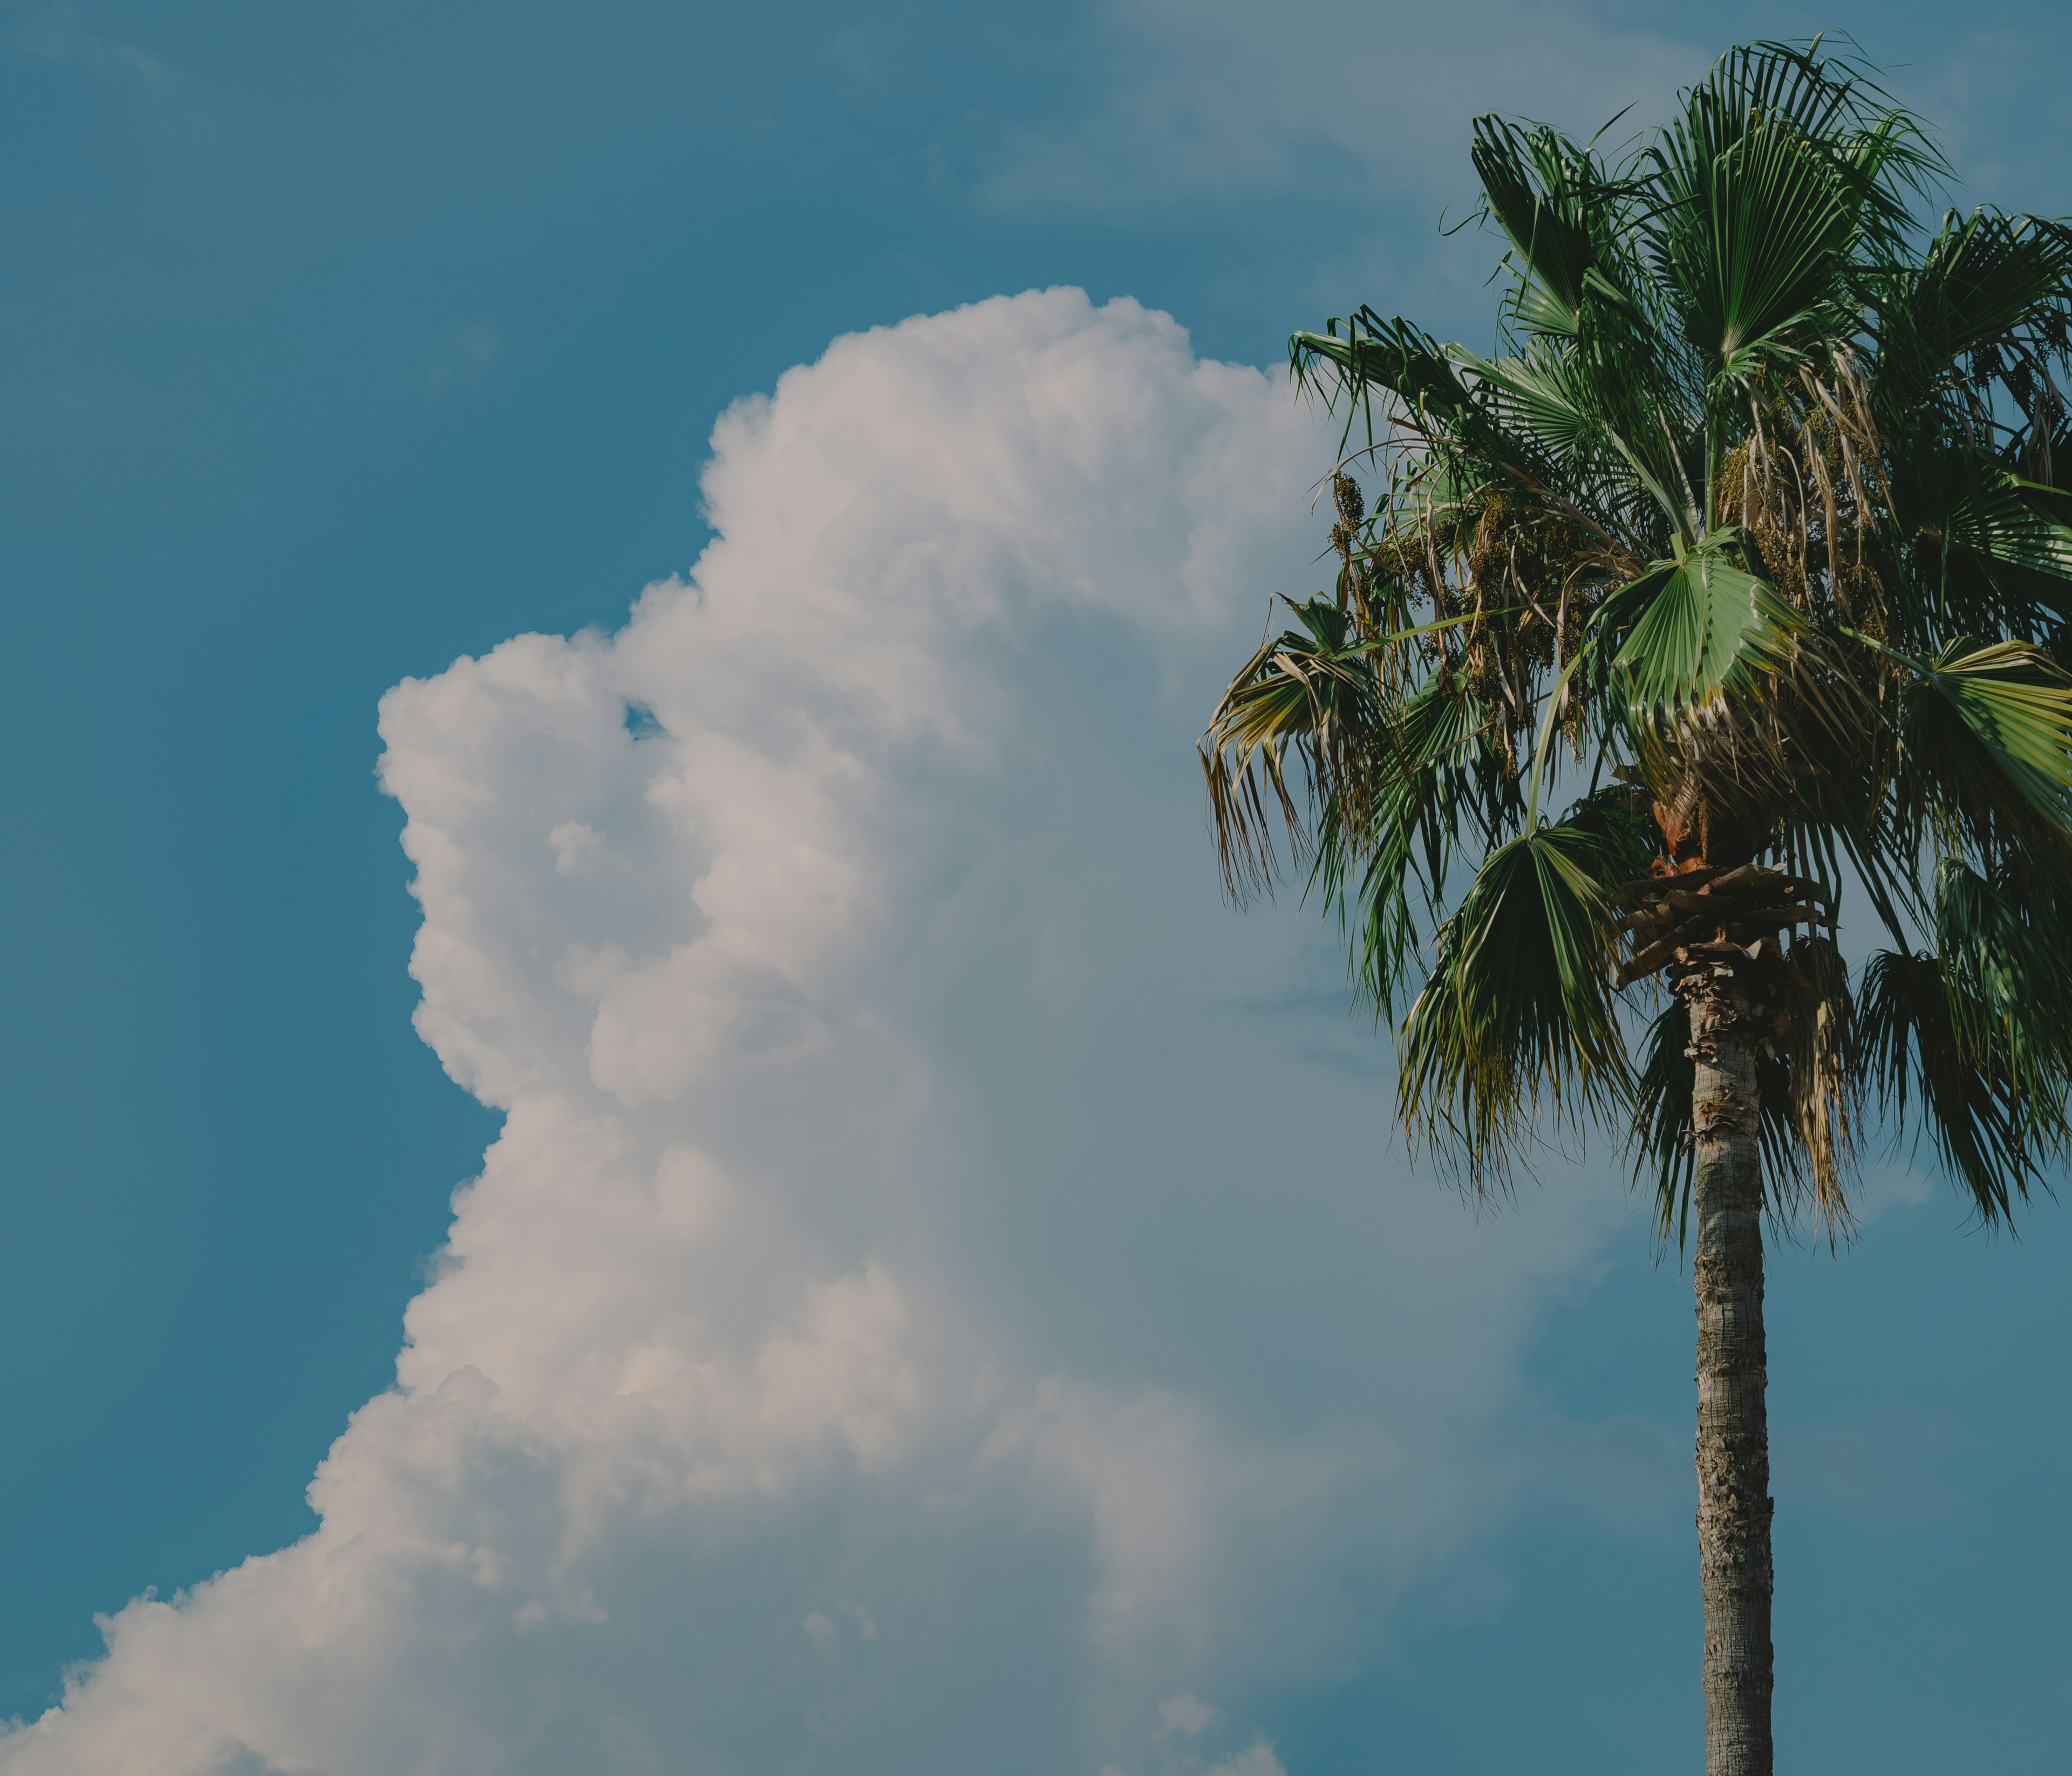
(635, 1138)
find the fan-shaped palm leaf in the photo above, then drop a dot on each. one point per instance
(1983, 281)
(1697, 627)
(1986, 745)
(2019, 551)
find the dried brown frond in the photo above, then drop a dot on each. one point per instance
(1807, 481)
(1826, 1093)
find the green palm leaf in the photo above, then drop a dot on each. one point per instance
(1760, 247)
(1758, 210)
(1554, 200)
(2004, 527)
(1547, 395)
(1979, 1120)
(1984, 277)
(2006, 955)
(1310, 692)
(1986, 742)
(1391, 356)
(1518, 1011)
(1409, 824)
(1696, 627)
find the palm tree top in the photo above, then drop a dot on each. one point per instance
(1737, 575)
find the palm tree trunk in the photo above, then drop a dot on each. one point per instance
(1733, 1431)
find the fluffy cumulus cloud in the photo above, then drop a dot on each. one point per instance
(943, 1297)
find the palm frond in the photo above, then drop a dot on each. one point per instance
(1777, 166)
(1560, 209)
(1375, 353)
(1920, 1063)
(1694, 628)
(1986, 282)
(1985, 746)
(2006, 952)
(1539, 187)
(1518, 1013)
(1309, 696)
(1757, 240)
(1408, 831)
(2006, 557)
(1551, 397)
(1823, 1090)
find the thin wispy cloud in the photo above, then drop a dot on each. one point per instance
(202, 139)
(59, 37)
(1212, 101)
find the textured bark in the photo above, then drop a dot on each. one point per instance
(1733, 1431)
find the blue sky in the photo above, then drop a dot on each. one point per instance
(349, 344)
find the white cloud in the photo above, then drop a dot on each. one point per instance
(576, 846)
(1187, 1715)
(1257, 1759)
(205, 143)
(903, 1289)
(56, 37)
(1215, 98)
(477, 346)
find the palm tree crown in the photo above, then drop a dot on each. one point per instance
(1740, 570)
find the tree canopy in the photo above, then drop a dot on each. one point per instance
(1738, 572)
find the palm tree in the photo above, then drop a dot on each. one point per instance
(1748, 544)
